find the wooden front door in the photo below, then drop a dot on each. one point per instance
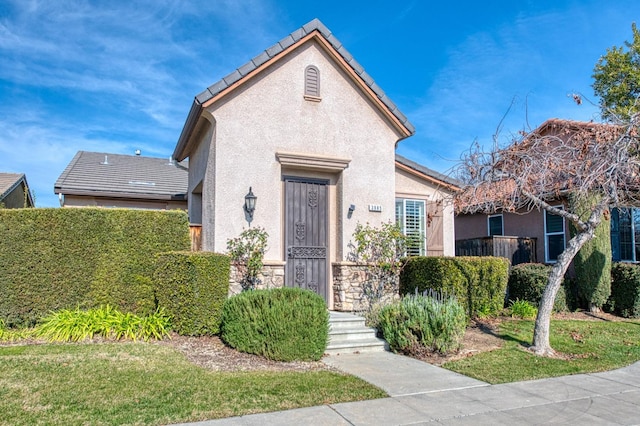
(306, 211)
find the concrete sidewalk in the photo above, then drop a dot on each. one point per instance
(421, 393)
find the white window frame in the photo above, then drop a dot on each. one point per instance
(547, 234)
(403, 221)
(501, 224)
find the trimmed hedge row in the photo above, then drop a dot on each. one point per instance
(527, 281)
(283, 324)
(478, 283)
(625, 290)
(54, 259)
(192, 288)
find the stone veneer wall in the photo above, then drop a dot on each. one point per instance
(348, 283)
(272, 276)
(348, 280)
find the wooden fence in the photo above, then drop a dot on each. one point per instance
(196, 237)
(516, 249)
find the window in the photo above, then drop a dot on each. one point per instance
(554, 235)
(625, 234)
(312, 83)
(410, 216)
(496, 225)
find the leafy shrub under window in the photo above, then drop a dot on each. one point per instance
(527, 282)
(416, 324)
(283, 324)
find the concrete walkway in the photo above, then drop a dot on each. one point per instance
(421, 393)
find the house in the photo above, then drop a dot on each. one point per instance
(127, 181)
(545, 234)
(14, 191)
(305, 133)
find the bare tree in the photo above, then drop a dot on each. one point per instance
(557, 159)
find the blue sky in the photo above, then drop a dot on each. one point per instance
(118, 76)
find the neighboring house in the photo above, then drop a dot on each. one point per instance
(549, 233)
(14, 191)
(307, 131)
(127, 181)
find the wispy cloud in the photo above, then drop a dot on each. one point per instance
(520, 69)
(112, 76)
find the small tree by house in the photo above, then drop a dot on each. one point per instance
(380, 251)
(568, 158)
(247, 253)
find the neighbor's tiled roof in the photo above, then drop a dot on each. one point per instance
(273, 51)
(427, 171)
(8, 182)
(116, 175)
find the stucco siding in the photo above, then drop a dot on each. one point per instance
(202, 184)
(270, 115)
(128, 203)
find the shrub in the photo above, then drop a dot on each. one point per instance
(282, 324)
(55, 259)
(416, 324)
(192, 287)
(625, 290)
(523, 309)
(380, 251)
(247, 252)
(592, 264)
(69, 325)
(527, 282)
(478, 283)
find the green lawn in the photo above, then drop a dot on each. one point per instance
(590, 346)
(145, 384)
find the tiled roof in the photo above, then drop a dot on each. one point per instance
(427, 171)
(113, 175)
(273, 51)
(8, 182)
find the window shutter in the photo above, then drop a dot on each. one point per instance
(435, 233)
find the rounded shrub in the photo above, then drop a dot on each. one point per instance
(283, 324)
(527, 282)
(416, 324)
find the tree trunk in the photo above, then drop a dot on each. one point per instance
(541, 344)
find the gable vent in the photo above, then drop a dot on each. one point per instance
(312, 83)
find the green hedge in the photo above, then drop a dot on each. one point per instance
(625, 290)
(192, 287)
(592, 264)
(478, 283)
(54, 259)
(527, 281)
(282, 324)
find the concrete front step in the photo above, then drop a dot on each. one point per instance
(348, 334)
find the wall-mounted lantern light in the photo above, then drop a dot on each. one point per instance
(352, 207)
(249, 205)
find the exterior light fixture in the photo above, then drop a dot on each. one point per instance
(249, 205)
(352, 207)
